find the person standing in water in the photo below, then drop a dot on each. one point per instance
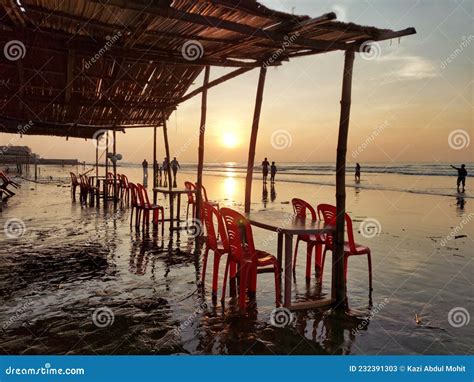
(462, 173)
(145, 172)
(165, 170)
(174, 166)
(273, 171)
(357, 173)
(265, 165)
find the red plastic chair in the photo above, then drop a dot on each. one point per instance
(135, 205)
(74, 184)
(124, 189)
(351, 248)
(245, 257)
(146, 207)
(191, 199)
(204, 196)
(313, 242)
(215, 241)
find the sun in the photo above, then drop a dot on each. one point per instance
(230, 140)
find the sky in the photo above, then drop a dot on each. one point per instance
(411, 99)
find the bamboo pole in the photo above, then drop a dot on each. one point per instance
(106, 196)
(202, 130)
(114, 164)
(167, 151)
(97, 157)
(154, 157)
(339, 284)
(253, 137)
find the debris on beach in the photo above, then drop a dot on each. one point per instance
(285, 202)
(459, 236)
(417, 319)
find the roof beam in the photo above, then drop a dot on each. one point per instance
(215, 22)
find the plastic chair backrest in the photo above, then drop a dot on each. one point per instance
(210, 215)
(125, 181)
(239, 234)
(74, 181)
(133, 194)
(328, 212)
(143, 196)
(190, 186)
(301, 208)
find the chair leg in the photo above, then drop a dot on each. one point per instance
(215, 273)
(276, 270)
(131, 216)
(244, 273)
(309, 255)
(204, 266)
(369, 261)
(317, 262)
(226, 273)
(322, 265)
(295, 255)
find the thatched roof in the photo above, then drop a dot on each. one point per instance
(80, 65)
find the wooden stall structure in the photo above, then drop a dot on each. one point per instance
(83, 66)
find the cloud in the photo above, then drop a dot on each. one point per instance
(408, 67)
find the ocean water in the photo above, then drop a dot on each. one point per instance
(79, 280)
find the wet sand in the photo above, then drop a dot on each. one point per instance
(79, 281)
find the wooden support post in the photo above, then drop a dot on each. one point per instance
(339, 283)
(114, 164)
(36, 169)
(106, 188)
(97, 157)
(167, 151)
(202, 130)
(253, 137)
(155, 164)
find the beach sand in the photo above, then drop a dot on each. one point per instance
(79, 281)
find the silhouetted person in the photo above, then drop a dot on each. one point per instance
(357, 173)
(265, 165)
(145, 172)
(166, 168)
(462, 173)
(174, 166)
(273, 171)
